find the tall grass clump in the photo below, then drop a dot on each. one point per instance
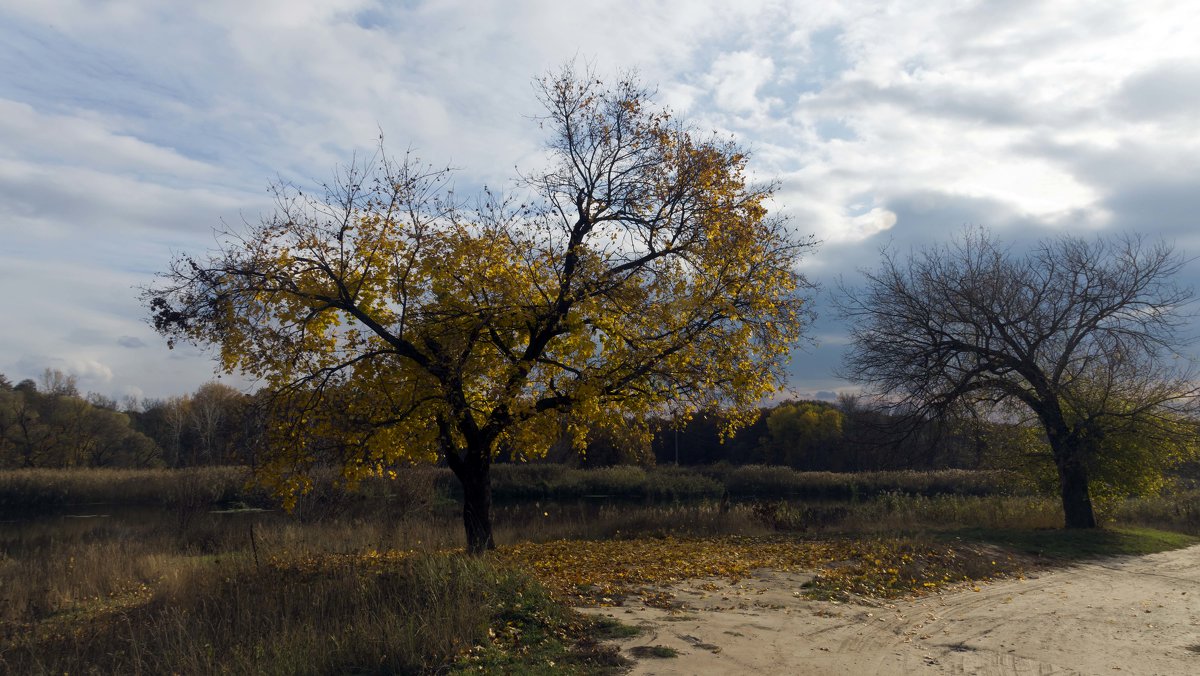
(236, 619)
(544, 481)
(418, 614)
(681, 483)
(899, 511)
(1176, 510)
(48, 489)
(620, 520)
(418, 487)
(201, 488)
(518, 481)
(619, 480)
(57, 565)
(773, 481)
(414, 489)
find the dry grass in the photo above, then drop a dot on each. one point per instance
(898, 512)
(772, 481)
(302, 599)
(1178, 511)
(233, 617)
(176, 588)
(40, 489)
(36, 489)
(60, 564)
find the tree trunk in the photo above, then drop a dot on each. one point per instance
(477, 512)
(1072, 475)
(473, 467)
(1076, 501)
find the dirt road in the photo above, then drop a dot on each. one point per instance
(1138, 615)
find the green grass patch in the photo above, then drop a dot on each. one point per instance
(609, 629)
(654, 651)
(530, 633)
(1080, 544)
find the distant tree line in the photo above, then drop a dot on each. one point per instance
(849, 435)
(51, 424)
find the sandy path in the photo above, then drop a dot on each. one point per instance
(1138, 615)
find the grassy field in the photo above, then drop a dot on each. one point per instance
(166, 572)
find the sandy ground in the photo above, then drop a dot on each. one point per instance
(1138, 615)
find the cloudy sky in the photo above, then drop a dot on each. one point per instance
(129, 129)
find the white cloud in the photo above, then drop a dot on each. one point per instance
(735, 79)
(869, 224)
(106, 206)
(91, 373)
(87, 141)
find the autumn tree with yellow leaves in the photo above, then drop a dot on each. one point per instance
(640, 273)
(799, 430)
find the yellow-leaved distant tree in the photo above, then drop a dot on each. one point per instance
(798, 428)
(394, 325)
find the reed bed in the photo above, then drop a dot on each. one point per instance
(41, 489)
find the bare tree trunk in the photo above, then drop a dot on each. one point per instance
(1068, 452)
(477, 513)
(1076, 500)
(474, 473)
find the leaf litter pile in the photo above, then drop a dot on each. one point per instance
(607, 572)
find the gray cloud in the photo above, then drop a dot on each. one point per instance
(131, 342)
(83, 336)
(1171, 208)
(975, 102)
(1165, 91)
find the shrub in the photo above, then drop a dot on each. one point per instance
(773, 481)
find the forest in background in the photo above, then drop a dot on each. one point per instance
(51, 424)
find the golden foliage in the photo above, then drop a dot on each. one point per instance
(394, 325)
(606, 572)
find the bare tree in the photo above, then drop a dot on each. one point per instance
(1083, 334)
(212, 411)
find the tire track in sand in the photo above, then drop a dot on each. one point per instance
(1136, 615)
